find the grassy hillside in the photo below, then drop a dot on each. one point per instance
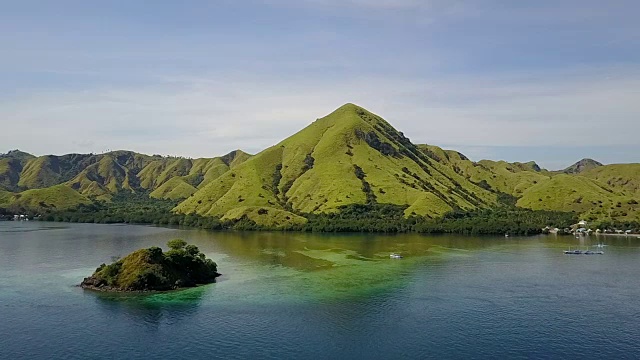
(103, 179)
(348, 157)
(11, 165)
(609, 192)
(194, 171)
(174, 189)
(265, 216)
(589, 198)
(564, 192)
(5, 198)
(10, 173)
(441, 155)
(49, 170)
(500, 176)
(102, 176)
(623, 177)
(180, 178)
(59, 197)
(510, 178)
(160, 171)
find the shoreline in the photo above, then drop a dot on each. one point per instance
(620, 235)
(112, 290)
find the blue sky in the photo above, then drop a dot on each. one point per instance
(551, 81)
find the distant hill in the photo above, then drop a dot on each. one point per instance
(180, 178)
(99, 177)
(57, 197)
(622, 177)
(582, 166)
(496, 176)
(347, 158)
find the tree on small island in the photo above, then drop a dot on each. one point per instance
(154, 270)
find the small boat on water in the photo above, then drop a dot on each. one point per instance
(590, 252)
(573, 252)
(395, 256)
(586, 252)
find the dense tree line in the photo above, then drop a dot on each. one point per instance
(372, 217)
(505, 220)
(390, 218)
(132, 208)
(387, 218)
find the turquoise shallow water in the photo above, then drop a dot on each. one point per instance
(321, 296)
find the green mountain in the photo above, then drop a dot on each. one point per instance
(348, 158)
(351, 156)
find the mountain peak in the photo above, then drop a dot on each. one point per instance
(234, 157)
(582, 166)
(529, 166)
(17, 154)
(350, 108)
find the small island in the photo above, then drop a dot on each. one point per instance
(154, 270)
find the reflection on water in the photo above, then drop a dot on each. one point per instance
(184, 297)
(151, 309)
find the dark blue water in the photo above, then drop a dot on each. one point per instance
(322, 297)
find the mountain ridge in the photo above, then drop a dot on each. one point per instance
(348, 157)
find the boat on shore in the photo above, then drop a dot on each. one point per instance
(395, 256)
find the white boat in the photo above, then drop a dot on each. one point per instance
(395, 256)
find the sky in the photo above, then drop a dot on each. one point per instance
(551, 81)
